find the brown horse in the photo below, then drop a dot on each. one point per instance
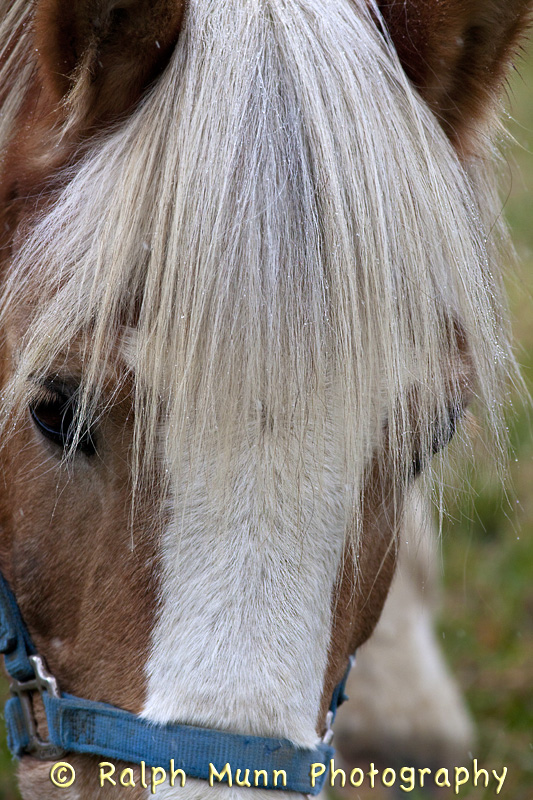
(250, 282)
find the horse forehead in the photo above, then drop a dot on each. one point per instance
(69, 363)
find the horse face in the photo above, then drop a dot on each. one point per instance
(132, 612)
(226, 602)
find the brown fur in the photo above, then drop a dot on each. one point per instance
(458, 54)
(68, 555)
(87, 596)
(356, 607)
(100, 55)
(404, 706)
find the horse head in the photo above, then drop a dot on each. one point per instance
(250, 283)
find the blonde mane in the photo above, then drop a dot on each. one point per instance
(280, 239)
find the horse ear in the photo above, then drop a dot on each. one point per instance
(458, 54)
(99, 55)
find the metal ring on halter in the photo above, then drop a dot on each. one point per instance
(43, 682)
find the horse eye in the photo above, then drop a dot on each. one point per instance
(54, 417)
(442, 436)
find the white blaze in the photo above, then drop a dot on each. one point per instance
(241, 640)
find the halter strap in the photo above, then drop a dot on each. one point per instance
(84, 726)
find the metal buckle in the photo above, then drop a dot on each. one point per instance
(43, 682)
(328, 736)
(326, 739)
(330, 716)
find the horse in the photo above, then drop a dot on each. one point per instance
(250, 282)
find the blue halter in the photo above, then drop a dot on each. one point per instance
(85, 726)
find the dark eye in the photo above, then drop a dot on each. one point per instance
(442, 436)
(54, 417)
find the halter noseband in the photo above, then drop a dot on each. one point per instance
(85, 726)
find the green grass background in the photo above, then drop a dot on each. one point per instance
(487, 622)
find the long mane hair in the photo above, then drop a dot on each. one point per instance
(278, 240)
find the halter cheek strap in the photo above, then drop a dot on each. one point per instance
(85, 726)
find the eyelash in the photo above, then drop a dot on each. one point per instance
(54, 416)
